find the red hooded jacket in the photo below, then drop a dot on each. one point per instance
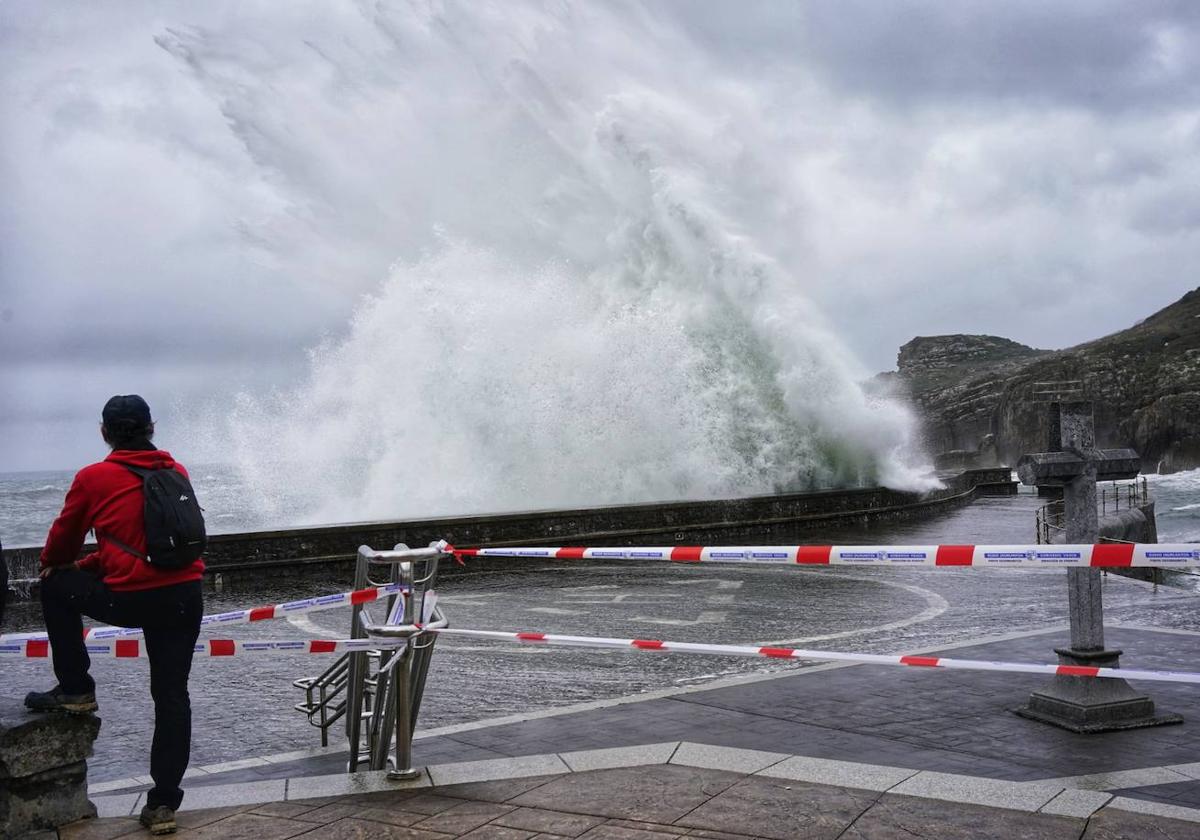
(108, 498)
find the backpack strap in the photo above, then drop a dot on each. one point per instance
(140, 473)
(100, 535)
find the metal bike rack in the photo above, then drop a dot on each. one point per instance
(379, 691)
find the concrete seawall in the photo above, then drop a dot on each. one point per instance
(753, 520)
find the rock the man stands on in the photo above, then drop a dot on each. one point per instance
(118, 584)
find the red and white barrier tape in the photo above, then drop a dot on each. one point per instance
(136, 648)
(1106, 555)
(304, 605)
(133, 648)
(824, 655)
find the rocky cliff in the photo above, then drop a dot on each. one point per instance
(1145, 382)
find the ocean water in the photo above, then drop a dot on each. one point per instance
(1177, 505)
(29, 502)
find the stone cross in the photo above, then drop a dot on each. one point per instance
(1075, 464)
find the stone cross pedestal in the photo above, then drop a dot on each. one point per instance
(1085, 704)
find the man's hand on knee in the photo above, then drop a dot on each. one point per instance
(49, 570)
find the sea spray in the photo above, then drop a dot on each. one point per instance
(598, 292)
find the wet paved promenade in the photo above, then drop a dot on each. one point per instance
(832, 751)
(607, 737)
(661, 802)
(243, 706)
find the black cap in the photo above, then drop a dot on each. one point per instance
(128, 410)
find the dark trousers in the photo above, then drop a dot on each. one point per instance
(170, 617)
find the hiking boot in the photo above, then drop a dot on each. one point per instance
(159, 819)
(57, 700)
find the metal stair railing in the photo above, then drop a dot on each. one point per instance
(378, 692)
(325, 695)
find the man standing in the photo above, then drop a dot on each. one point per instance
(118, 584)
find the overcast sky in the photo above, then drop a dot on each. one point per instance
(194, 196)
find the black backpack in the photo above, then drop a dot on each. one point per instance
(175, 536)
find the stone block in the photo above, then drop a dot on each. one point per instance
(33, 743)
(44, 800)
(43, 772)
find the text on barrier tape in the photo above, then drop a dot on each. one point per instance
(304, 605)
(129, 648)
(1104, 555)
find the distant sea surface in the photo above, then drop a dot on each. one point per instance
(29, 501)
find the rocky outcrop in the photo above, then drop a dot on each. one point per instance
(1145, 382)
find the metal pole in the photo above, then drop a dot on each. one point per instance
(403, 768)
(357, 673)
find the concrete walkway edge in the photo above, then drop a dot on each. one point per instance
(1046, 797)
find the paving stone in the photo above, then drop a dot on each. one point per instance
(1021, 796)
(549, 837)
(118, 805)
(351, 829)
(431, 803)
(657, 793)
(497, 832)
(620, 832)
(1115, 824)
(349, 784)
(905, 817)
(619, 756)
(288, 810)
(549, 822)
(498, 768)
(642, 825)
(246, 793)
(841, 773)
(765, 807)
(314, 801)
(500, 790)
(717, 835)
(1191, 770)
(732, 759)
(1119, 779)
(204, 816)
(99, 829)
(225, 767)
(464, 817)
(248, 827)
(330, 813)
(1139, 806)
(1076, 803)
(380, 798)
(1186, 794)
(115, 785)
(391, 816)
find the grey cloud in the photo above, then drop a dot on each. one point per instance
(1103, 56)
(195, 194)
(1171, 214)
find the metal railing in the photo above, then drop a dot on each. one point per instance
(1110, 498)
(1133, 494)
(378, 692)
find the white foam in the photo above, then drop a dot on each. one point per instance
(599, 294)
